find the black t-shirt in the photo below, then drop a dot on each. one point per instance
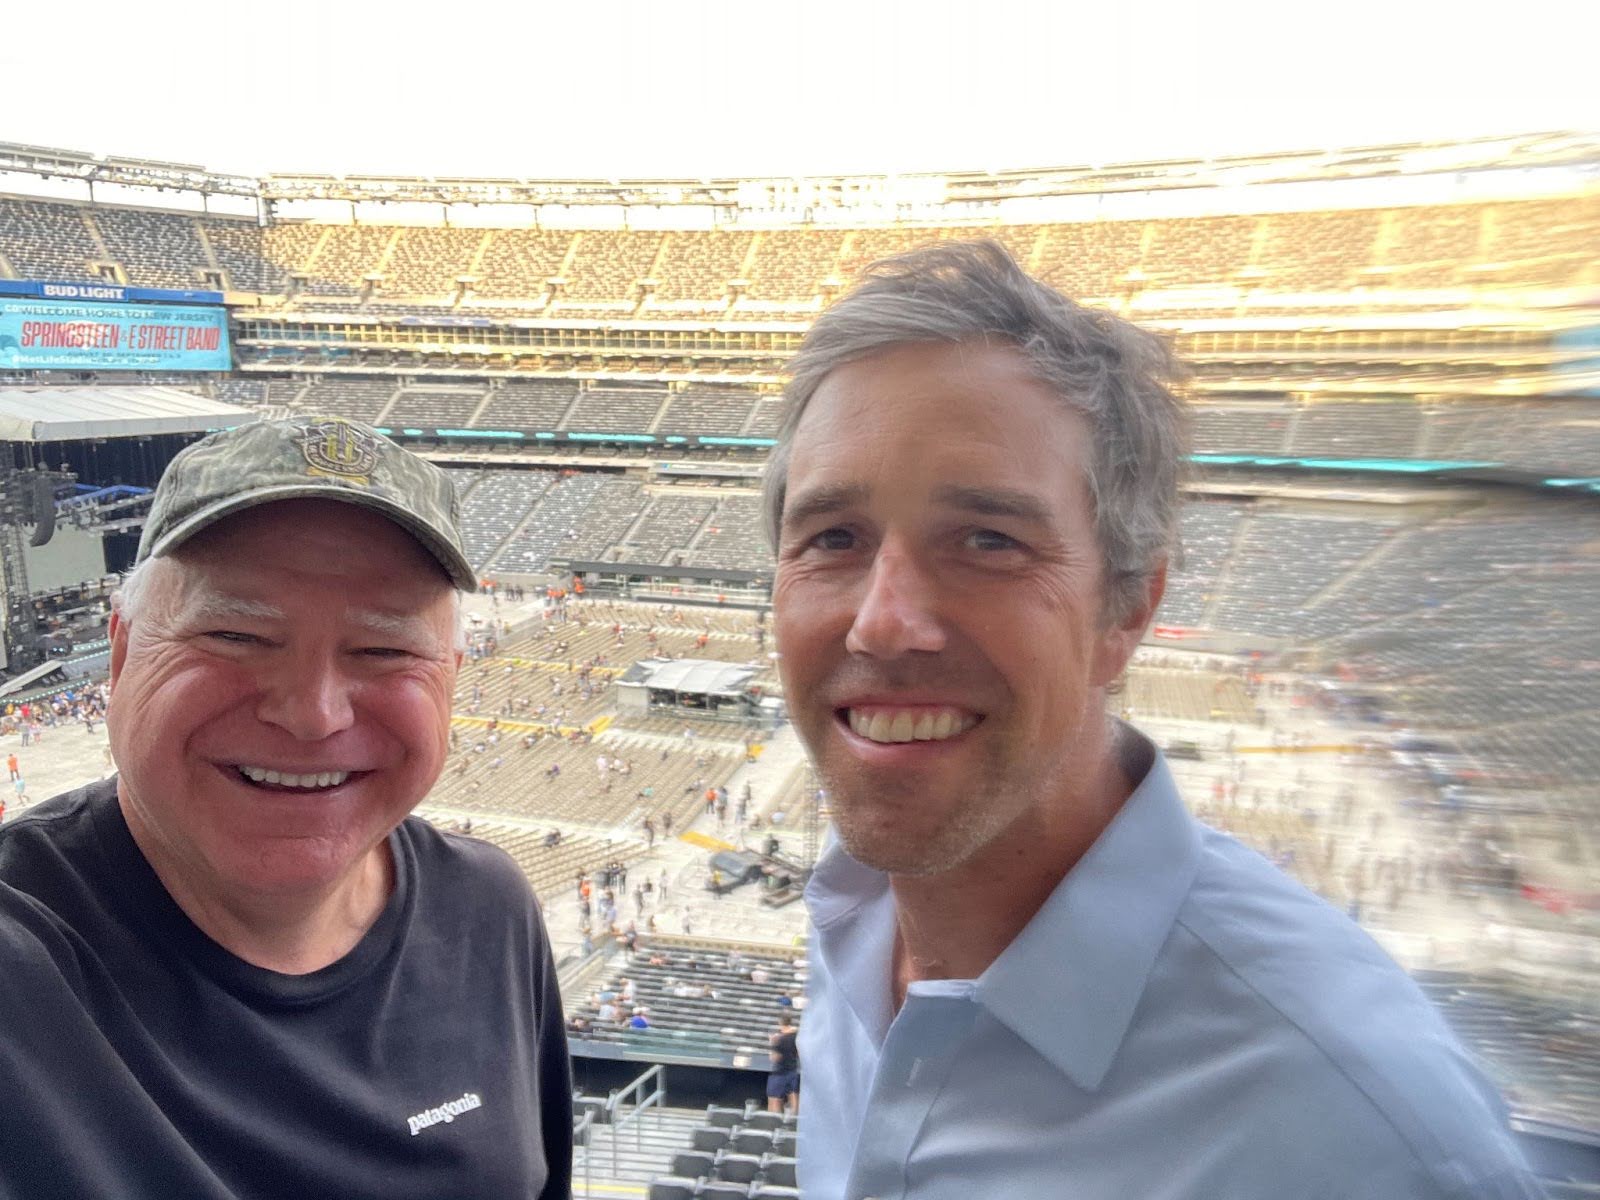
(141, 1059)
(786, 1052)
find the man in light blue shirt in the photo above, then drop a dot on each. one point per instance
(1034, 974)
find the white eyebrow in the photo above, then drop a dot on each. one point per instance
(389, 625)
(220, 607)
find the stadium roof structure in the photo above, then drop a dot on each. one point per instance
(834, 192)
(694, 676)
(57, 414)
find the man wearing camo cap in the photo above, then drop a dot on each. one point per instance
(239, 968)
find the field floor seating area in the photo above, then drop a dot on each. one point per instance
(557, 778)
(536, 718)
(550, 869)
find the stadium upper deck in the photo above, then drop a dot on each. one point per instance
(1280, 268)
(1416, 227)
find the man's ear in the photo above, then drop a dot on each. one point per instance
(118, 633)
(1119, 640)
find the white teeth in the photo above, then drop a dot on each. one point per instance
(906, 725)
(285, 779)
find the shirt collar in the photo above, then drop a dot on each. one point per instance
(1069, 983)
(853, 912)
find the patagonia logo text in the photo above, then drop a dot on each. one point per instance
(446, 1112)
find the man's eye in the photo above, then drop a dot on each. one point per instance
(991, 539)
(385, 652)
(834, 539)
(233, 636)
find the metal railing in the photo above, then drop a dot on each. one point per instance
(580, 1137)
(619, 1114)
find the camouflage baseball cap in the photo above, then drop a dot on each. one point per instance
(327, 458)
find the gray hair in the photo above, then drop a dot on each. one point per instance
(129, 597)
(1121, 378)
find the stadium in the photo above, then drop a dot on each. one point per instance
(1378, 662)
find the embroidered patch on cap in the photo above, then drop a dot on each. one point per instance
(339, 448)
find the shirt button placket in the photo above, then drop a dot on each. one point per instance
(917, 1056)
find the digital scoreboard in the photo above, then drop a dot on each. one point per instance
(88, 327)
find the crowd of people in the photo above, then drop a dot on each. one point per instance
(54, 714)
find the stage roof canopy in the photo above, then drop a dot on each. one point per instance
(69, 414)
(695, 676)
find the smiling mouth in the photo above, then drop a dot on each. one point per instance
(888, 725)
(268, 779)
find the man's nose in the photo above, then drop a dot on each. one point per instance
(898, 613)
(308, 697)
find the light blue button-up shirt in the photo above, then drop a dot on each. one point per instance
(1179, 1021)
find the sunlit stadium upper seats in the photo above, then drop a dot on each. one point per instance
(427, 262)
(1203, 250)
(1417, 257)
(517, 263)
(342, 255)
(788, 269)
(606, 267)
(695, 270)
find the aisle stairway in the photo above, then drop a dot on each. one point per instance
(643, 1150)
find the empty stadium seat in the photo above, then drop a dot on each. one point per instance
(708, 1138)
(785, 1141)
(737, 1168)
(718, 1190)
(773, 1191)
(752, 1141)
(778, 1169)
(762, 1119)
(666, 1187)
(693, 1164)
(725, 1118)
